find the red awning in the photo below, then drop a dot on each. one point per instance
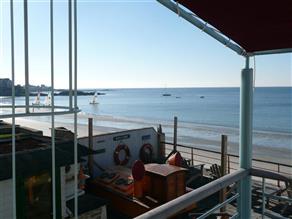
(255, 25)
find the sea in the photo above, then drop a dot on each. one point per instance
(203, 113)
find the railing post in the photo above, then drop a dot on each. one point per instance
(26, 58)
(238, 189)
(228, 159)
(264, 198)
(14, 204)
(192, 156)
(90, 146)
(278, 172)
(175, 134)
(245, 149)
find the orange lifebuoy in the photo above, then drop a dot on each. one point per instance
(146, 153)
(117, 151)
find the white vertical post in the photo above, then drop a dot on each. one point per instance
(70, 52)
(53, 110)
(13, 113)
(75, 115)
(26, 60)
(245, 148)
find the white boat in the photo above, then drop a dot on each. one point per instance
(48, 100)
(94, 99)
(37, 100)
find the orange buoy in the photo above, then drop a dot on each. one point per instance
(146, 153)
(119, 148)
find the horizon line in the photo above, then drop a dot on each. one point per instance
(179, 87)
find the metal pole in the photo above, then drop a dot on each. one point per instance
(228, 160)
(202, 25)
(278, 182)
(269, 52)
(245, 149)
(175, 134)
(238, 186)
(75, 115)
(70, 52)
(53, 110)
(264, 198)
(13, 114)
(26, 68)
(192, 156)
(221, 205)
(90, 146)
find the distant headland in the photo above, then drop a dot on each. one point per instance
(6, 90)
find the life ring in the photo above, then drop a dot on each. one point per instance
(117, 151)
(146, 153)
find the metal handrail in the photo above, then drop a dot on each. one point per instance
(173, 207)
(191, 150)
(35, 106)
(268, 175)
(211, 211)
(231, 155)
(38, 114)
(62, 110)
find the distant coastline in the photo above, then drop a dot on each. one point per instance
(6, 90)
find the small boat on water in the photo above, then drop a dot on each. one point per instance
(37, 101)
(94, 99)
(48, 100)
(166, 95)
(202, 97)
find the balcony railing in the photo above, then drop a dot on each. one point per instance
(208, 157)
(179, 204)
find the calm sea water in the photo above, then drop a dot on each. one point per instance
(204, 118)
(220, 106)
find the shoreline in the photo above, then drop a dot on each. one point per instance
(199, 136)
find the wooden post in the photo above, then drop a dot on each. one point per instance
(161, 143)
(223, 154)
(223, 167)
(90, 147)
(175, 134)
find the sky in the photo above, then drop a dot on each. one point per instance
(128, 44)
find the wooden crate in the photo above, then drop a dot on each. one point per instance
(164, 182)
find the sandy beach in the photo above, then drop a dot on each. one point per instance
(106, 124)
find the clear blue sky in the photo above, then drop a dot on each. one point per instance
(128, 44)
